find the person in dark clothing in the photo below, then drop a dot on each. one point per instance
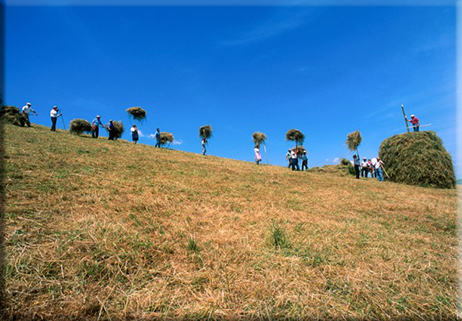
(111, 129)
(157, 137)
(54, 117)
(356, 162)
(135, 135)
(304, 161)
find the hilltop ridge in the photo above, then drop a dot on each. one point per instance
(104, 229)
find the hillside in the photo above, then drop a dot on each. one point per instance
(107, 230)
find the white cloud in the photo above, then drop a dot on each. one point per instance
(177, 142)
(336, 160)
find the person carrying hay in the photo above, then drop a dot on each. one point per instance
(294, 159)
(26, 110)
(257, 154)
(135, 134)
(289, 158)
(157, 137)
(111, 130)
(204, 142)
(415, 122)
(304, 161)
(54, 117)
(379, 169)
(356, 162)
(95, 124)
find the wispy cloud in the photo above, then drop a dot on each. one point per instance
(336, 160)
(283, 22)
(177, 142)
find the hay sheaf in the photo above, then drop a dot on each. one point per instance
(78, 126)
(12, 115)
(118, 128)
(205, 131)
(296, 136)
(137, 113)
(353, 140)
(166, 138)
(418, 159)
(258, 138)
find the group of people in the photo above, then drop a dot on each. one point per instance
(294, 156)
(374, 166)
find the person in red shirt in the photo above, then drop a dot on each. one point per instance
(415, 122)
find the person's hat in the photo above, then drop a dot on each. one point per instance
(364, 158)
(98, 116)
(28, 104)
(412, 116)
(54, 107)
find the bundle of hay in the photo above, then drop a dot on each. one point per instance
(78, 126)
(166, 138)
(296, 136)
(205, 131)
(345, 162)
(354, 140)
(418, 159)
(300, 149)
(118, 129)
(258, 138)
(136, 113)
(12, 114)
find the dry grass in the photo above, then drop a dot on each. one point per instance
(194, 237)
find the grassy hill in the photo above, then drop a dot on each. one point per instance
(107, 230)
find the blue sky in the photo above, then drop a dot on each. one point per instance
(326, 71)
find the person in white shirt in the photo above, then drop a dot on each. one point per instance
(257, 154)
(364, 168)
(54, 117)
(378, 169)
(135, 134)
(294, 158)
(26, 110)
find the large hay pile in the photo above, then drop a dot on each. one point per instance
(12, 115)
(137, 113)
(296, 136)
(205, 131)
(78, 126)
(353, 140)
(118, 128)
(418, 159)
(166, 138)
(258, 138)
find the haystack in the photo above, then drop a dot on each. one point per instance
(354, 140)
(296, 136)
(418, 159)
(166, 138)
(258, 138)
(12, 114)
(205, 131)
(118, 129)
(136, 113)
(78, 126)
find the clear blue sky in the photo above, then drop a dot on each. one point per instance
(327, 71)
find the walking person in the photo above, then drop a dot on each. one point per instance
(111, 129)
(356, 162)
(203, 143)
(54, 117)
(289, 158)
(135, 134)
(26, 110)
(95, 124)
(257, 154)
(364, 168)
(157, 137)
(415, 122)
(304, 161)
(294, 158)
(371, 168)
(379, 169)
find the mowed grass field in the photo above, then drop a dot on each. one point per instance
(107, 230)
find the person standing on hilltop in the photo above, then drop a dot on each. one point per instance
(26, 110)
(95, 126)
(356, 162)
(371, 168)
(111, 130)
(157, 137)
(304, 160)
(257, 154)
(135, 134)
(415, 122)
(378, 169)
(204, 142)
(54, 117)
(289, 158)
(364, 168)
(294, 159)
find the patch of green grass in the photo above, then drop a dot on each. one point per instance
(279, 237)
(192, 245)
